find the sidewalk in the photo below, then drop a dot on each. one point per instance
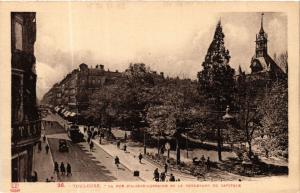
(43, 164)
(130, 160)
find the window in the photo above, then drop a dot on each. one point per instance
(18, 36)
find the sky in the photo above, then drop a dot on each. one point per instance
(173, 40)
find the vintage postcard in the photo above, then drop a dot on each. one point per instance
(149, 97)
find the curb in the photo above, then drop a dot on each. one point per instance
(94, 140)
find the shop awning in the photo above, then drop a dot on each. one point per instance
(72, 114)
(66, 113)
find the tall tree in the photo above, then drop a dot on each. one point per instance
(216, 79)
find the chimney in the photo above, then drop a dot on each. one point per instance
(101, 67)
(97, 66)
(162, 74)
(117, 71)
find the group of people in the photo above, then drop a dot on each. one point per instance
(203, 162)
(50, 180)
(62, 169)
(162, 176)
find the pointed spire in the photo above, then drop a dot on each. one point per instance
(261, 23)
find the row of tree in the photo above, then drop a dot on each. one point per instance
(168, 107)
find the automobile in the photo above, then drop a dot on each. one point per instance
(63, 146)
(74, 133)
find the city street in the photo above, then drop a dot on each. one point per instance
(146, 168)
(86, 165)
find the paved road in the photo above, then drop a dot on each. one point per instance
(86, 165)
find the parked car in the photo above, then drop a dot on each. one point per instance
(63, 146)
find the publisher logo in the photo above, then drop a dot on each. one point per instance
(14, 187)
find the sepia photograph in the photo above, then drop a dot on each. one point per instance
(125, 93)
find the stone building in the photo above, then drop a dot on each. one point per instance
(25, 119)
(262, 65)
(72, 93)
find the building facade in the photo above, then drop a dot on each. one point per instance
(262, 65)
(72, 93)
(25, 119)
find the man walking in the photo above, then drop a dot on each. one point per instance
(125, 147)
(56, 170)
(208, 164)
(62, 168)
(47, 148)
(91, 146)
(117, 161)
(166, 167)
(140, 158)
(39, 146)
(118, 144)
(156, 175)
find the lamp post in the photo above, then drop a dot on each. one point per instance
(145, 150)
(226, 117)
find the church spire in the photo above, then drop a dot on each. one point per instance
(261, 41)
(262, 23)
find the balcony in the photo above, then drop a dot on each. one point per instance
(26, 133)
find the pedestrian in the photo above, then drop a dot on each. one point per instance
(56, 169)
(44, 138)
(52, 179)
(47, 148)
(62, 168)
(163, 176)
(203, 160)
(117, 161)
(166, 167)
(162, 150)
(140, 158)
(39, 146)
(69, 171)
(34, 177)
(118, 144)
(172, 178)
(47, 180)
(156, 175)
(91, 146)
(125, 137)
(267, 152)
(125, 147)
(208, 164)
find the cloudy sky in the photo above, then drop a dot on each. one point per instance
(173, 40)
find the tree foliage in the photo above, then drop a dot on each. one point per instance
(216, 78)
(274, 122)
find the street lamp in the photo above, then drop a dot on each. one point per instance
(145, 150)
(226, 117)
